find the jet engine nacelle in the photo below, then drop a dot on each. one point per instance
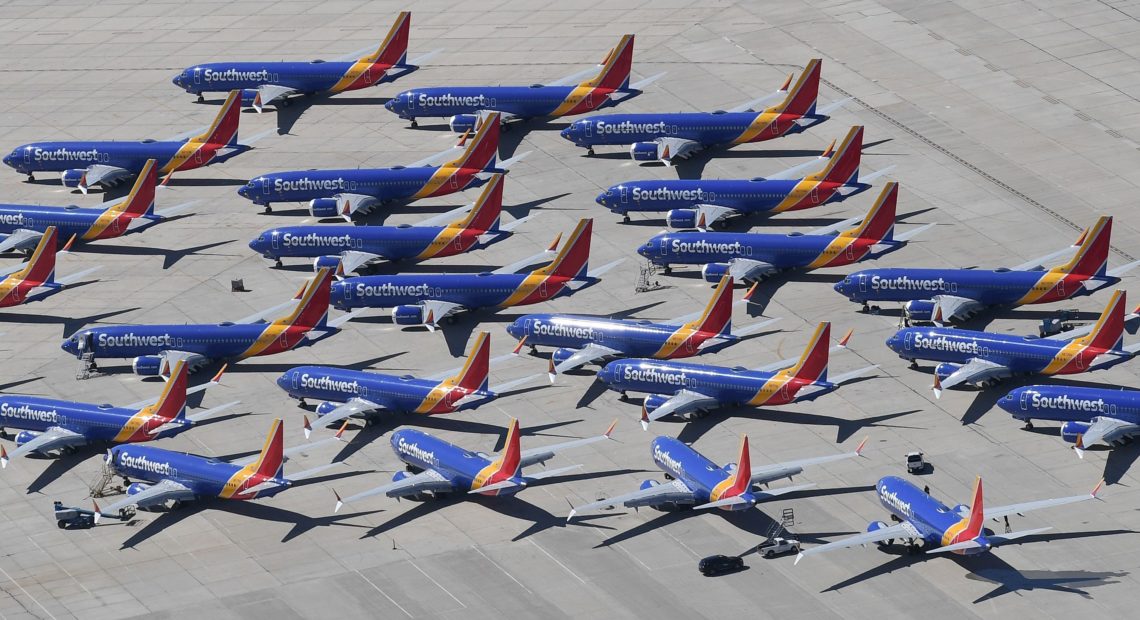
(400, 475)
(247, 97)
(1070, 431)
(645, 151)
(713, 272)
(323, 207)
(24, 437)
(561, 355)
(875, 526)
(654, 401)
(137, 487)
(681, 219)
(919, 310)
(147, 365)
(408, 315)
(71, 178)
(461, 123)
(945, 369)
(326, 408)
(331, 262)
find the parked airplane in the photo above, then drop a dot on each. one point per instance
(666, 137)
(609, 87)
(344, 193)
(35, 280)
(683, 388)
(262, 83)
(694, 480)
(348, 248)
(755, 256)
(440, 467)
(345, 393)
(947, 295)
(153, 347)
(939, 528)
(984, 358)
(87, 163)
(701, 203)
(179, 477)
(1088, 415)
(51, 425)
(21, 226)
(427, 298)
(580, 340)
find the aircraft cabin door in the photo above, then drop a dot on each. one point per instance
(542, 290)
(28, 155)
(275, 241)
(624, 193)
(862, 283)
(588, 128)
(1025, 401)
(197, 75)
(454, 182)
(590, 100)
(906, 341)
(850, 251)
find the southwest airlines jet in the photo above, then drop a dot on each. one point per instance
(49, 425)
(438, 467)
(666, 137)
(87, 163)
(701, 203)
(21, 226)
(345, 393)
(682, 388)
(938, 528)
(262, 83)
(153, 347)
(751, 257)
(348, 248)
(180, 477)
(580, 340)
(983, 358)
(1088, 415)
(608, 87)
(343, 193)
(35, 280)
(424, 299)
(947, 295)
(692, 480)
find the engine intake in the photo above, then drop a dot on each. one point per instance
(645, 151)
(919, 310)
(147, 365)
(461, 123)
(1071, 431)
(681, 219)
(323, 207)
(408, 315)
(713, 272)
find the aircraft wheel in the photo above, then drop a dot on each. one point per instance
(61, 524)
(414, 123)
(622, 397)
(590, 152)
(667, 270)
(31, 177)
(284, 102)
(176, 504)
(625, 218)
(1028, 425)
(277, 263)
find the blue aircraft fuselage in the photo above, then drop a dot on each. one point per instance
(705, 128)
(404, 394)
(729, 386)
(632, 338)
(483, 290)
(389, 242)
(205, 477)
(745, 196)
(521, 101)
(1064, 403)
(780, 251)
(383, 184)
(94, 422)
(315, 76)
(228, 341)
(72, 220)
(691, 467)
(989, 287)
(461, 467)
(931, 518)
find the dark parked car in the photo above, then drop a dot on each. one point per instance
(718, 564)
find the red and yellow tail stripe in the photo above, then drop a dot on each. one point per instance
(970, 527)
(592, 93)
(740, 480)
(816, 189)
(546, 282)
(39, 269)
(200, 150)
(137, 203)
(850, 246)
(460, 235)
(480, 152)
(777, 120)
(1106, 335)
(507, 466)
(267, 466)
(471, 378)
(811, 367)
(371, 68)
(1090, 259)
(714, 321)
(286, 332)
(171, 404)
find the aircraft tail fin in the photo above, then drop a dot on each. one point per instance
(394, 50)
(313, 308)
(40, 268)
(1108, 332)
(879, 223)
(742, 475)
(843, 165)
(717, 317)
(481, 150)
(573, 259)
(171, 404)
(510, 462)
(615, 68)
(1091, 258)
(140, 200)
(801, 98)
(224, 129)
(473, 375)
(812, 365)
(271, 461)
(488, 208)
(973, 525)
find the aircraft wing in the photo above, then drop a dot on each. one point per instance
(214, 381)
(267, 93)
(428, 480)
(677, 148)
(764, 474)
(682, 402)
(102, 173)
(545, 453)
(349, 204)
(799, 171)
(351, 260)
(585, 355)
(435, 311)
(911, 234)
(54, 438)
(998, 512)
(21, 239)
(440, 158)
(71, 278)
(1038, 263)
(748, 269)
(675, 492)
(759, 103)
(836, 227)
(950, 307)
(898, 530)
(791, 361)
(977, 369)
(811, 391)
(550, 252)
(354, 406)
(1105, 430)
(1085, 330)
(153, 495)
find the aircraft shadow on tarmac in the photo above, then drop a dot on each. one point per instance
(170, 257)
(990, 568)
(70, 324)
(378, 216)
(987, 399)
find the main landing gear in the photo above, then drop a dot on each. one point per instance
(414, 124)
(201, 99)
(589, 151)
(1028, 425)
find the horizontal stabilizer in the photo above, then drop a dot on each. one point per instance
(914, 232)
(831, 107)
(550, 473)
(498, 486)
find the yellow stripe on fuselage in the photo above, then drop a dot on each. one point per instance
(759, 125)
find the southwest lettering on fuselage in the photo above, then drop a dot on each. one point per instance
(12, 219)
(1068, 403)
(65, 154)
(415, 451)
(135, 340)
(702, 246)
(664, 459)
(388, 289)
(316, 240)
(231, 75)
(906, 283)
(942, 343)
(328, 383)
(545, 328)
(664, 193)
(27, 412)
(447, 100)
(892, 500)
(306, 184)
(629, 127)
(142, 463)
(652, 375)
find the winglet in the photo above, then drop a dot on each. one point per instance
(551, 371)
(827, 152)
(937, 386)
(644, 417)
(308, 427)
(519, 347)
(799, 556)
(98, 513)
(340, 433)
(610, 431)
(554, 246)
(751, 291)
(1097, 488)
(221, 371)
(67, 246)
(862, 444)
(846, 338)
(339, 502)
(3, 458)
(788, 82)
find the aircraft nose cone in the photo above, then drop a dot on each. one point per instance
(257, 245)
(514, 329)
(645, 249)
(606, 374)
(390, 104)
(244, 190)
(839, 288)
(69, 346)
(285, 378)
(567, 133)
(601, 199)
(10, 160)
(893, 342)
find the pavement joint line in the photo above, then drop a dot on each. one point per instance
(58, 565)
(488, 558)
(26, 593)
(383, 593)
(564, 567)
(439, 585)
